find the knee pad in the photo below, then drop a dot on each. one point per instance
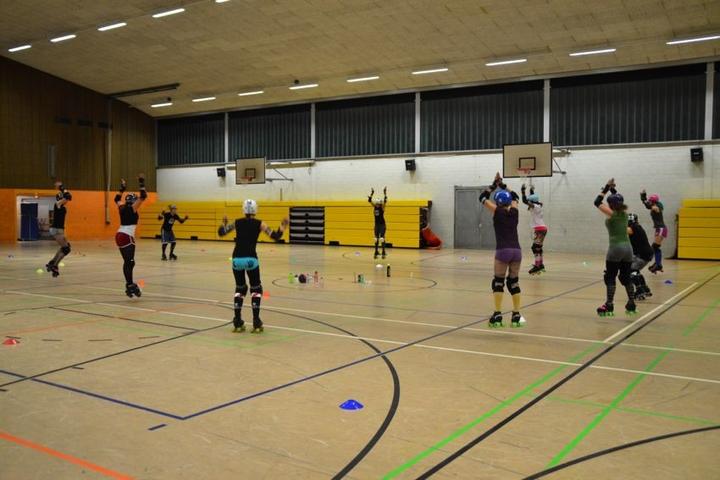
(655, 247)
(625, 278)
(498, 284)
(536, 248)
(256, 291)
(242, 290)
(608, 279)
(382, 239)
(66, 249)
(513, 285)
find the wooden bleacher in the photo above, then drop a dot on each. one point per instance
(699, 229)
(346, 223)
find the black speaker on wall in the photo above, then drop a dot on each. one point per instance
(221, 172)
(696, 154)
(410, 165)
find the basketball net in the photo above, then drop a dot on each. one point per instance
(246, 180)
(524, 173)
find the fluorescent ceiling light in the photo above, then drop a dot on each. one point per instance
(363, 79)
(203, 99)
(506, 62)
(63, 38)
(19, 48)
(169, 12)
(111, 26)
(300, 87)
(221, 1)
(432, 70)
(164, 104)
(254, 92)
(693, 40)
(593, 52)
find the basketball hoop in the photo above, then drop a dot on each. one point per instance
(524, 173)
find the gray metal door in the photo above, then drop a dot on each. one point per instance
(473, 222)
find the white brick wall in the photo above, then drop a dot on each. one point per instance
(575, 225)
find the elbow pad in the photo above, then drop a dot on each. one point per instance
(118, 197)
(67, 195)
(514, 196)
(276, 235)
(598, 200)
(143, 194)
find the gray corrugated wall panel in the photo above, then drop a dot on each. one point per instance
(185, 141)
(274, 133)
(367, 126)
(481, 117)
(643, 106)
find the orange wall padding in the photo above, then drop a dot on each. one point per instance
(85, 218)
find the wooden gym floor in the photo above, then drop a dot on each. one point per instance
(100, 385)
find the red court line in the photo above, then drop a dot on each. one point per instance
(64, 456)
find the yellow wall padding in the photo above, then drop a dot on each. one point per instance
(699, 229)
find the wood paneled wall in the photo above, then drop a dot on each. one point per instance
(38, 110)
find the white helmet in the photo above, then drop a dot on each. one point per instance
(250, 207)
(377, 201)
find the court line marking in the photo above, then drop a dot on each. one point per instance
(64, 456)
(485, 331)
(639, 320)
(423, 324)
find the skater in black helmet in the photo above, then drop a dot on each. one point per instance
(245, 260)
(618, 261)
(125, 236)
(57, 229)
(379, 213)
(166, 231)
(642, 254)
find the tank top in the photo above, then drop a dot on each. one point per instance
(657, 217)
(536, 216)
(505, 222)
(617, 228)
(247, 231)
(59, 216)
(379, 212)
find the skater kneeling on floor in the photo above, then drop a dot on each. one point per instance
(166, 231)
(245, 260)
(618, 261)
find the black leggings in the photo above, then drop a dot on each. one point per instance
(128, 254)
(622, 271)
(241, 290)
(253, 276)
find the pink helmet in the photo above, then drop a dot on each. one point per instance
(654, 198)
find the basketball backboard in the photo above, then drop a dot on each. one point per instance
(527, 160)
(249, 171)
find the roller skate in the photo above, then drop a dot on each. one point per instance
(639, 294)
(606, 310)
(173, 256)
(495, 320)
(238, 325)
(646, 291)
(257, 326)
(132, 289)
(163, 258)
(537, 269)
(630, 308)
(53, 269)
(517, 320)
(383, 255)
(376, 255)
(655, 268)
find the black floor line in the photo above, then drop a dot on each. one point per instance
(618, 448)
(115, 317)
(458, 453)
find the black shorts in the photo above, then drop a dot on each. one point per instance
(380, 230)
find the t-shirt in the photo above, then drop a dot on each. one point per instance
(128, 216)
(169, 220)
(536, 216)
(617, 228)
(59, 215)
(640, 245)
(505, 222)
(657, 217)
(247, 231)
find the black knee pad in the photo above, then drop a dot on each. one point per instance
(513, 285)
(66, 249)
(498, 284)
(655, 247)
(536, 248)
(625, 278)
(608, 279)
(242, 290)
(256, 291)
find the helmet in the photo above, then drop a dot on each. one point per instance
(503, 198)
(377, 201)
(172, 207)
(250, 207)
(615, 200)
(130, 198)
(632, 218)
(533, 198)
(654, 198)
